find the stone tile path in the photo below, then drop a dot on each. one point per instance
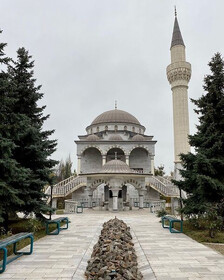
(161, 255)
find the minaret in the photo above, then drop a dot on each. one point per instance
(179, 74)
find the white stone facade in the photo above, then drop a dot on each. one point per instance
(115, 136)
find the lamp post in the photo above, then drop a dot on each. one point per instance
(51, 201)
(181, 204)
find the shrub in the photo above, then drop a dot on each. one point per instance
(161, 213)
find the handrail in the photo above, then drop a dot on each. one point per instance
(165, 186)
(64, 187)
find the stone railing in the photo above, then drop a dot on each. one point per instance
(70, 206)
(164, 186)
(157, 205)
(65, 187)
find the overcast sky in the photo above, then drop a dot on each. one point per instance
(89, 53)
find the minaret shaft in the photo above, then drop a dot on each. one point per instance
(179, 74)
(180, 121)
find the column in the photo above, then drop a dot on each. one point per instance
(152, 166)
(103, 159)
(106, 193)
(124, 193)
(141, 199)
(127, 159)
(54, 203)
(106, 198)
(90, 198)
(79, 165)
(115, 199)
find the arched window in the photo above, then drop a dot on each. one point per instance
(140, 131)
(97, 129)
(115, 127)
(125, 128)
(133, 129)
(106, 127)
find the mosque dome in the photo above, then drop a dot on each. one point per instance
(115, 137)
(116, 166)
(115, 116)
(92, 137)
(138, 138)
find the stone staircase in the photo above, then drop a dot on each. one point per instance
(163, 186)
(67, 186)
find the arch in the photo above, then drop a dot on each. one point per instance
(140, 160)
(96, 183)
(139, 146)
(106, 127)
(132, 182)
(115, 146)
(119, 154)
(91, 146)
(91, 160)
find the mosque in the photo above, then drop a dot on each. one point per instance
(115, 158)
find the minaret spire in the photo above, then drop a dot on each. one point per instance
(177, 37)
(179, 74)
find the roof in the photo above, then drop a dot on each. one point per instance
(116, 166)
(92, 137)
(177, 37)
(138, 137)
(115, 116)
(115, 137)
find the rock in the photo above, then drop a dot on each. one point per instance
(113, 257)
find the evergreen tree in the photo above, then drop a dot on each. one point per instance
(203, 176)
(10, 171)
(33, 146)
(159, 171)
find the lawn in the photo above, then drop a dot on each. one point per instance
(202, 236)
(26, 225)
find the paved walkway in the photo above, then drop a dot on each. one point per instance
(161, 255)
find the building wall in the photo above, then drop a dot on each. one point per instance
(80, 194)
(116, 126)
(91, 161)
(151, 194)
(139, 158)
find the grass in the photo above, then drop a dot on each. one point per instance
(202, 236)
(26, 225)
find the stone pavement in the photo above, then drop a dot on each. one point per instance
(161, 255)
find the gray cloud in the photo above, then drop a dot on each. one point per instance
(90, 53)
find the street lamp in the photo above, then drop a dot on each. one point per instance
(51, 200)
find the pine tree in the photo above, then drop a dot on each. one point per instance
(203, 173)
(33, 146)
(11, 172)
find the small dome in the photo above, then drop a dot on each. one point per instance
(138, 138)
(92, 137)
(115, 116)
(115, 137)
(116, 166)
